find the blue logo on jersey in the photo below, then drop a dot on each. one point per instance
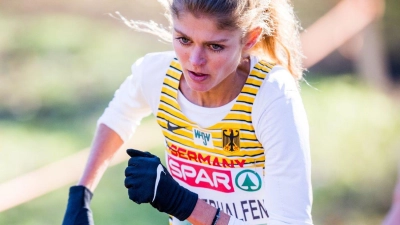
(204, 136)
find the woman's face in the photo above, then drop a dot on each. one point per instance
(209, 56)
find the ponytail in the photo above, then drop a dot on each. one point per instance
(280, 41)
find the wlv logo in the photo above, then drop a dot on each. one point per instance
(202, 138)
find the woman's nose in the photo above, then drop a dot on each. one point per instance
(197, 57)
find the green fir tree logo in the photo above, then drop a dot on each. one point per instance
(248, 184)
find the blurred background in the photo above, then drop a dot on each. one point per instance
(61, 61)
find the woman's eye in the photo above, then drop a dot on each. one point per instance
(215, 47)
(184, 40)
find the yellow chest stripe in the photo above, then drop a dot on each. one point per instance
(228, 149)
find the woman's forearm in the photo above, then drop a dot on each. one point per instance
(105, 144)
(203, 214)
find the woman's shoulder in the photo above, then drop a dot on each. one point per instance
(278, 87)
(152, 67)
(149, 73)
(280, 79)
(278, 95)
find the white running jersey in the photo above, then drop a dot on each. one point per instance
(250, 157)
(223, 163)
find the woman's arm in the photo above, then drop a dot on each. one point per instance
(105, 144)
(281, 126)
(203, 214)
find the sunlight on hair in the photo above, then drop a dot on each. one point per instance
(150, 27)
(279, 43)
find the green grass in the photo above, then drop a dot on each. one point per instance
(354, 147)
(25, 147)
(64, 61)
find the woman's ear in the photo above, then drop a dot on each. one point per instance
(252, 38)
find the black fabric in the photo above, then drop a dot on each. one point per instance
(216, 217)
(141, 175)
(78, 209)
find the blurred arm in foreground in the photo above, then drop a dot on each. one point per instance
(393, 216)
(336, 27)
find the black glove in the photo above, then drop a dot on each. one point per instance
(148, 181)
(78, 208)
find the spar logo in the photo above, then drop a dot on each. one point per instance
(248, 180)
(200, 176)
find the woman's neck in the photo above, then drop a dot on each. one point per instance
(223, 93)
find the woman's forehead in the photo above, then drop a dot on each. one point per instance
(203, 25)
(223, 21)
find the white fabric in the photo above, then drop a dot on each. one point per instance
(234, 221)
(278, 117)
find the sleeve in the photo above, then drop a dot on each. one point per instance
(282, 128)
(129, 105)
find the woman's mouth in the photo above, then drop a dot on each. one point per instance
(197, 76)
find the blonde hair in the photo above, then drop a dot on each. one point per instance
(279, 42)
